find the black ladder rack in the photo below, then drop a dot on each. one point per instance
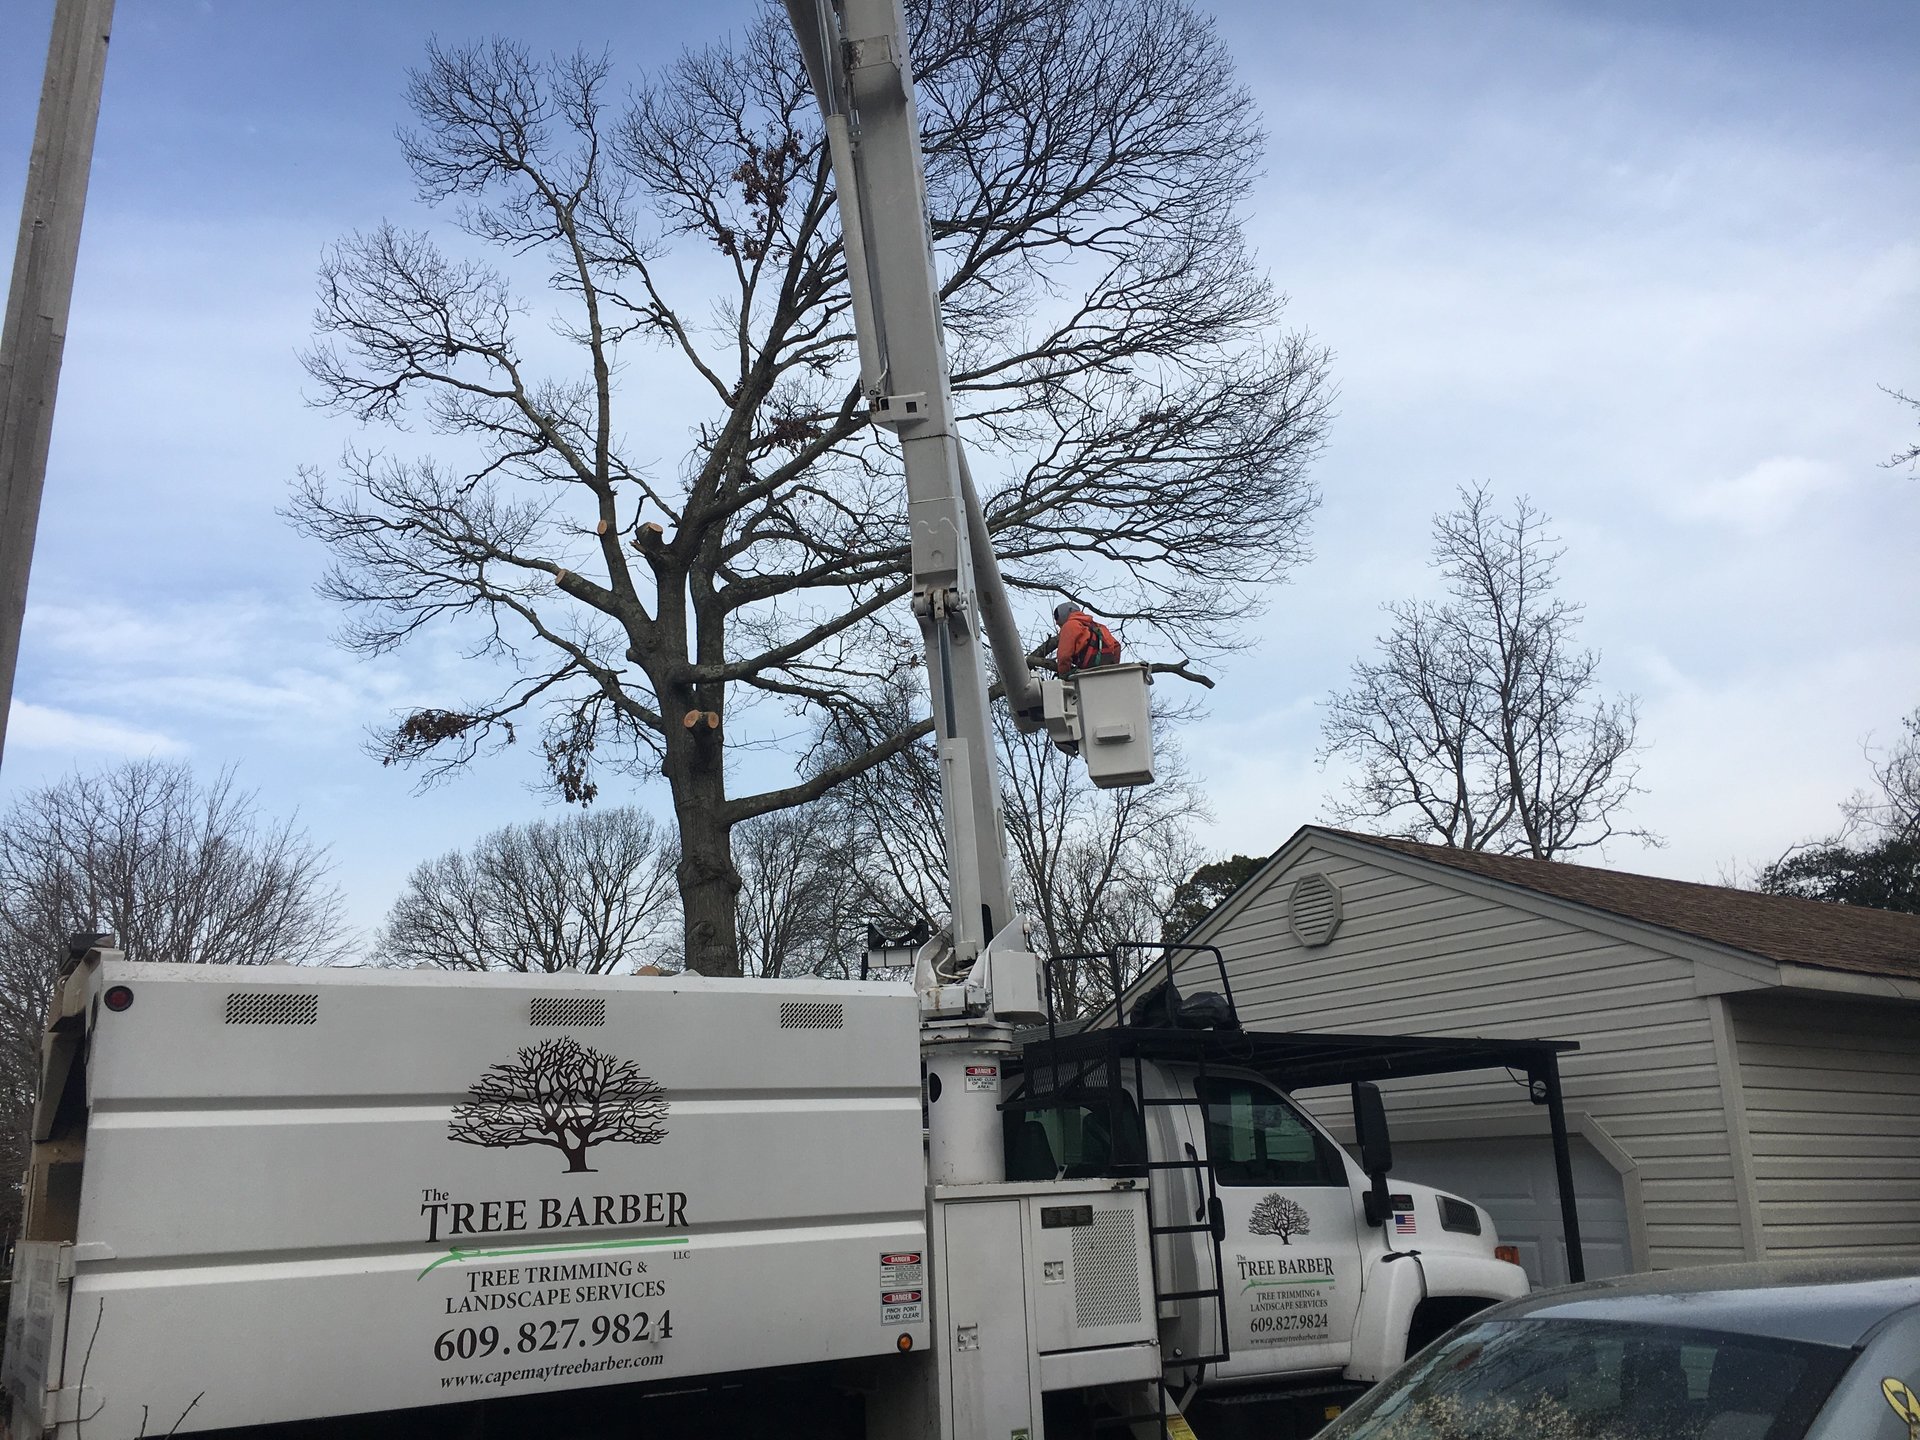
(1292, 1060)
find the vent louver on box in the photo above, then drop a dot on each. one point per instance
(1313, 910)
(567, 1010)
(1106, 1270)
(812, 1015)
(273, 1007)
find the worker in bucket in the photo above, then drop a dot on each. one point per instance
(1084, 643)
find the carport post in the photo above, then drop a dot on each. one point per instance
(1549, 1075)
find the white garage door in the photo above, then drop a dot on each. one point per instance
(1512, 1178)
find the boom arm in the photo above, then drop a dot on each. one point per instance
(856, 57)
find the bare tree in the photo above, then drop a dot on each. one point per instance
(1891, 809)
(564, 1094)
(1097, 868)
(1141, 429)
(1479, 726)
(1094, 868)
(887, 817)
(180, 873)
(592, 892)
(800, 901)
(1910, 455)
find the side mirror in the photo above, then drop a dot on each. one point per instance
(1376, 1147)
(1370, 1129)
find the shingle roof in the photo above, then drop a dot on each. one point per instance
(1774, 927)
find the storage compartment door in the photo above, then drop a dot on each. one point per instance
(1087, 1265)
(989, 1387)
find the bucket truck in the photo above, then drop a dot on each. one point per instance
(275, 1200)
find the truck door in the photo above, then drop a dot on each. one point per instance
(1291, 1256)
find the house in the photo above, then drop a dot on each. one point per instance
(1748, 1079)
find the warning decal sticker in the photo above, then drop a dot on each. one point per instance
(902, 1307)
(902, 1298)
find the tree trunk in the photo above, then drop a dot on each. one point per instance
(709, 883)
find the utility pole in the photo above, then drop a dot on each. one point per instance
(37, 303)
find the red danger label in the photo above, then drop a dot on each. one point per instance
(899, 1297)
(901, 1270)
(983, 1069)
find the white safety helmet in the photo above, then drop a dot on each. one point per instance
(1062, 610)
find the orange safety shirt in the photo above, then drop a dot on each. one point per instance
(1084, 642)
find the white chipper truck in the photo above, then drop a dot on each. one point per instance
(372, 1202)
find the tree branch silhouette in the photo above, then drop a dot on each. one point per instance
(563, 1094)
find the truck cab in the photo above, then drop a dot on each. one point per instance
(1282, 1266)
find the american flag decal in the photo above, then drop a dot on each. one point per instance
(1403, 1222)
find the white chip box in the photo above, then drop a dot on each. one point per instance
(272, 1193)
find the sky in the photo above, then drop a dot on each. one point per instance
(1648, 264)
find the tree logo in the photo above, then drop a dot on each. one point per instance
(563, 1094)
(1277, 1215)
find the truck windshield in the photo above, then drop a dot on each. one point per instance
(1599, 1380)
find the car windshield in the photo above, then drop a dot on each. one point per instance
(1598, 1380)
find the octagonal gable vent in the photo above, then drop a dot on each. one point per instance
(1313, 910)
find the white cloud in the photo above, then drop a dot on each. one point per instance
(43, 727)
(1744, 765)
(111, 635)
(1765, 495)
(234, 676)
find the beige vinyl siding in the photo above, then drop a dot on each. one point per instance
(1421, 955)
(1832, 1092)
